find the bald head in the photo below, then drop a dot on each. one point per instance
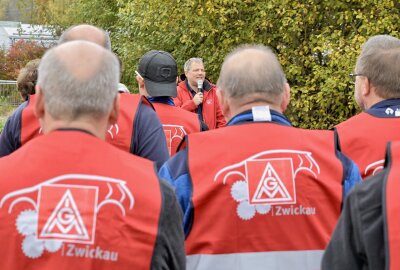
(86, 32)
(81, 59)
(252, 71)
(78, 78)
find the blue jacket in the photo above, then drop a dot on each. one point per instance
(388, 108)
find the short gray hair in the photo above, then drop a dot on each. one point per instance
(252, 70)
(377, 42)
(68, 97)
(379, 62)
(189, 62)
(66, 35)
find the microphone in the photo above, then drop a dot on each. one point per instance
(200, 85)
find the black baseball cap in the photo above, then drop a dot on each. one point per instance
(159, 71)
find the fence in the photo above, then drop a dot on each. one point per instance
(9, 95)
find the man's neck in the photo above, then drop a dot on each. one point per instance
(235, 110)
(372, 101)
(193, 87)
(99, 130)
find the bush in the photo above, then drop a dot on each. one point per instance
(317, 42)
(20, 53)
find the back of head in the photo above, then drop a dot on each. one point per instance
(252, 72)
(384, 42)
(27, 78)
(78, 79)
(159, 71)
(86, 32)
(379, 62)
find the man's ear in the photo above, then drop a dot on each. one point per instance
(39, 105)
(285, 97)
(366, 87)
(140, 81)
(142, 88)
(114, 114)
(224, 103)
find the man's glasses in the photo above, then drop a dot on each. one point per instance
(354, 75)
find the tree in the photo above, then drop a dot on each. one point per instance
(15, 58)
(317, 41)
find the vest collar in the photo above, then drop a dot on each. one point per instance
(75, 129)
(247, 116)
(164, 100)
(385, 108)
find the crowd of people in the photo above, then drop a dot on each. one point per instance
(191, 175)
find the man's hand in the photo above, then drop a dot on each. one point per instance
(198, 98)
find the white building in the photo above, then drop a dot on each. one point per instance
(10, 32)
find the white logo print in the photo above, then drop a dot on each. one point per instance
(65, 221)
(389, 111)
(173, 133)
(113, 131)
(270, 188)
(267, 179)
(374, 167)
(66, 212)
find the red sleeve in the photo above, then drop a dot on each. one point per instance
(183, 101)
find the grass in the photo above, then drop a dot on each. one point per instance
(5, 112)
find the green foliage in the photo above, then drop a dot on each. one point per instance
(317, 41)
(5, 112)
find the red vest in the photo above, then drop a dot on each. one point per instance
(119, 135)
(29, 123)
(176, 124)
(363, 139)
(89, 206)
(392, 208)
(270, 193)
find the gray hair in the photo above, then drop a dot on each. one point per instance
(383, 42)
(189, 62)
(69, 95)
(379, 62)
(67, 36)
(252, 70)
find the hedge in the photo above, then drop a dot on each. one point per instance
(317, 42)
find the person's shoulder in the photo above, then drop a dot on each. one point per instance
(368, 193)
(184, 112)
(167, 191)
(182, 86)
(209, 86)
(349, 122)
(147, 110)
(18, 111)
(177, 165)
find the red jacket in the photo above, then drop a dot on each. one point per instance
(363, 139)
(273, 201)
(73, 208)
(176, 124)
(212, 114)
(392, 207)
(30, 127)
